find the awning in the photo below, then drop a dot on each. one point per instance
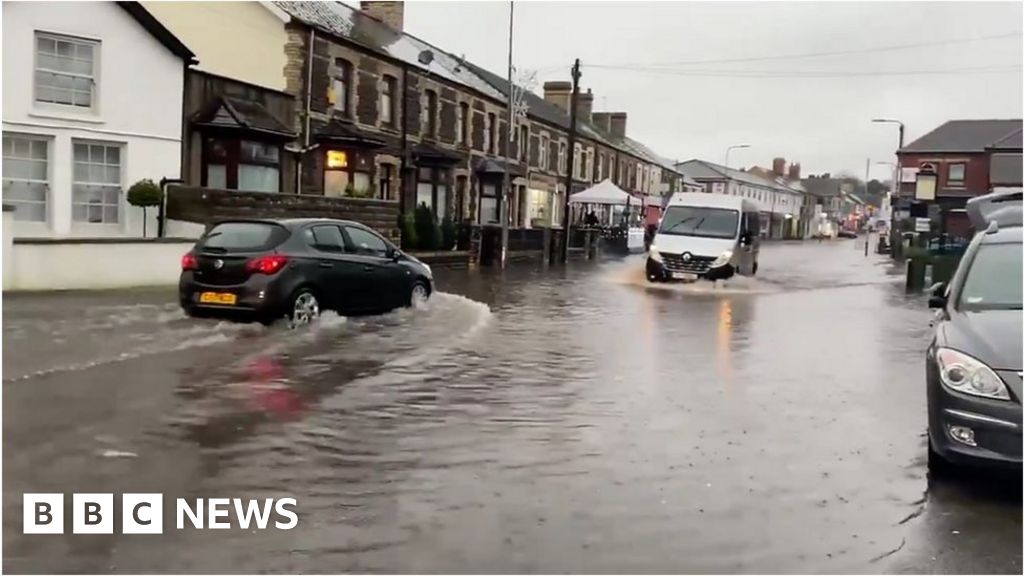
(228, 112)
(346, 133)
(604, 193)
(497, 167)
(430, 154)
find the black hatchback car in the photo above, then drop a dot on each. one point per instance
(974, 362)
(268, 269)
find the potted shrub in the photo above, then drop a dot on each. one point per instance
(145, 194)
(426, 228)
(407, 224)
(447, 233)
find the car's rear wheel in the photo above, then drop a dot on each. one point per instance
(419, 294)
(304, 308)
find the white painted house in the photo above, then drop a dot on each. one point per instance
(92, 102)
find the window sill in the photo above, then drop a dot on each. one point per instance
(67, 116)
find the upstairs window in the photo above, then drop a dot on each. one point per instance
(545, 144)
(341, 86)
(431, 119)
(463, 123)
(562, 160)
(956, 173)
(523, 145)
(65, 70)
(492, 133)
(387, 101)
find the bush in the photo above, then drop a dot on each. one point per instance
(426, 228)
(145, 194)
(408, 226)
(447, 233)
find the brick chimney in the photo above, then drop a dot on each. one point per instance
(558, 93)
(617, 122)
(602, 120)
(390, 13)
(779, 167)
(585, 106)
(794, 171)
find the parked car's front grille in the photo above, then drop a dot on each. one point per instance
(695, 264)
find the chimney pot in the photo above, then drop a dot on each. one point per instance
(794, 171)
(585, 106)
(390, 13)
(779, 166)
(558, 93)
(617, 123)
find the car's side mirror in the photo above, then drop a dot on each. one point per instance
(938, 295)
(395, 254)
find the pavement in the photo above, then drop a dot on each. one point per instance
(528, 420)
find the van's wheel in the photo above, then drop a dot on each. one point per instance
(304, 308)
(419, 293)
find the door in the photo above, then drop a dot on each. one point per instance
(749, 229)
(335, 273)
(388, 282)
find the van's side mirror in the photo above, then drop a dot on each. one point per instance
(938, 295)
(745, 239)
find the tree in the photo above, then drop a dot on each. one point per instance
(145, 194)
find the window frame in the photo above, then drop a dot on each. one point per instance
(545, 151)
(492, 133)
(463, 123)
(343, 71)
(349, 169)
(93, 78)
(563, 157)
(47, 188)
(233, 160)
(388, 88)
(523, 143)
(960, 182)
(119, 185)
(430, 116)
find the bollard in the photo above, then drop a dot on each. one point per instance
(916, 268)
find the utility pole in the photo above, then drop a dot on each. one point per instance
(507, 183)
(867, 178)
(571, 151)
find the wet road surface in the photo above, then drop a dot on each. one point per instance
(569, 420)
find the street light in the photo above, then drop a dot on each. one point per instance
(730, 149)
(899, 177)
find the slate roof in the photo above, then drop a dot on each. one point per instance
(349, 23)
(1011, 142)
(238, 113)
(702, 169)
(966, 136)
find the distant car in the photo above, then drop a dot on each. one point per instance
(268, 269)
(974, 362)
(847, 234)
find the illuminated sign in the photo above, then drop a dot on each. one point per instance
(337, 159)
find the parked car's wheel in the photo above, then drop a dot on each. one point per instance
(304, 308)
(419, 293)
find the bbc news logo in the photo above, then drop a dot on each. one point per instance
(144, 513)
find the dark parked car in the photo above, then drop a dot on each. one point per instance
(974, 361)
(268, 269)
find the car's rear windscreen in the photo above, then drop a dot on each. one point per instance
(243, 237)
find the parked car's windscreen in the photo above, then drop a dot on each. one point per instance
(700, 221)
(993, 280)
(243, 237)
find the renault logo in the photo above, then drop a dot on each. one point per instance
(218, 264)
(687, 256)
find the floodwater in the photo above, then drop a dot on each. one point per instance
(527, 420)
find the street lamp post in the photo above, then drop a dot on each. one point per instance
(730, 149)
(897, 184)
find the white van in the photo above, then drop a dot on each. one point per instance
(710, 236)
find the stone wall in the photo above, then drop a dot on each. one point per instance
(206, 205)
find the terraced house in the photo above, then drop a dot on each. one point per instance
(378, 115)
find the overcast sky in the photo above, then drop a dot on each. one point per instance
(823, 123)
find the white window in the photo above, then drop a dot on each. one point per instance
(96, 183)
(545, 145)
(26, 176)
(562, 160)
(590, 164)
(577, 167)
(65, 71)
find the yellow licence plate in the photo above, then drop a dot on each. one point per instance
(218, 298)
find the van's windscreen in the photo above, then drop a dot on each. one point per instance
(700, 221)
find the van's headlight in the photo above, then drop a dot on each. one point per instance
(962, 373)
(722, 259)
(654, 254)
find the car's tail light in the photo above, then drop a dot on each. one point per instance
(189, 262)
(266, 264)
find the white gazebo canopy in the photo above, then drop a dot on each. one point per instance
(606, 193)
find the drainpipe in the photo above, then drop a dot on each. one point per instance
(405, 140)
(309, 102)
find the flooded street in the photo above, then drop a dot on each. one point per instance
(539, 421)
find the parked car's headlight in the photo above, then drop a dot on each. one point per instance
(654, 254)
(722, 259)
(962, 373)
(429, 271)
